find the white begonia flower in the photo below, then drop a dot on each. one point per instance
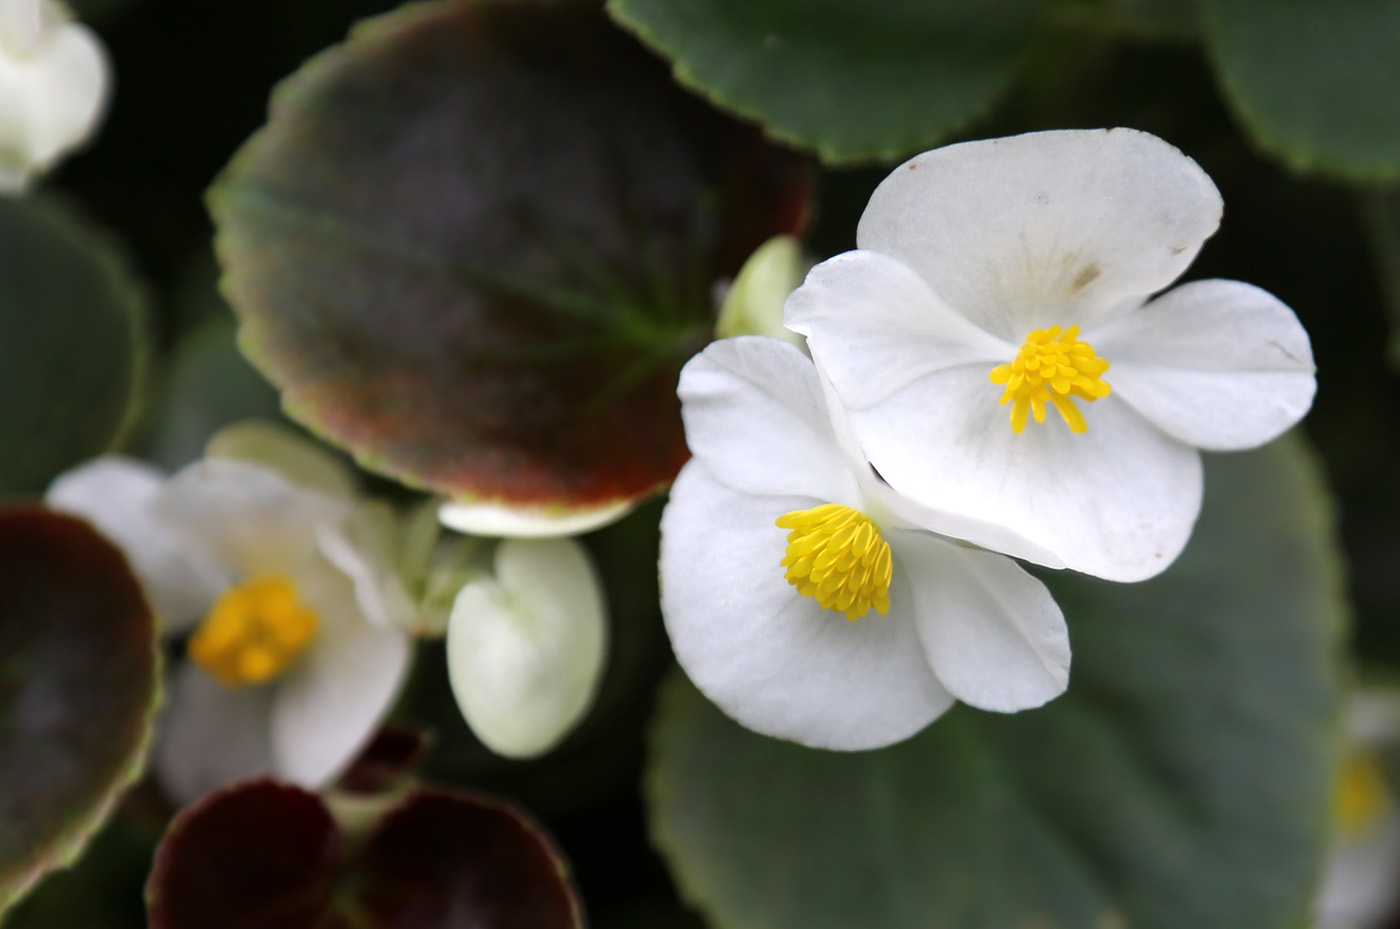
(1360, 889)
(526, 648)
(54, 78)
(287, 673)
(1018, 271)
(776, 627)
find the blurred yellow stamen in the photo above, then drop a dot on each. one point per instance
(836, 554)
(254, 632)
(1362, 799)
(1053, 366)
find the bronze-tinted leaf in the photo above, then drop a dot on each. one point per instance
(78, 687)
(475, 243)
(272, 856)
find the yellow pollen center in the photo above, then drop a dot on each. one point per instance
(253, 633)
(836, 554)
(1362, 798)
(1053, 366)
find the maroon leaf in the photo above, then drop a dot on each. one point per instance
(264, 855)
(475, 243)
(442, 859)
(255, 854)
(78, 687)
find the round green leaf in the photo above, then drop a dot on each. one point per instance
(854, 81)
(474, 244)
(1183, 781)
(78, 689)
(1316, 84)
(71, 343)
(208, 386)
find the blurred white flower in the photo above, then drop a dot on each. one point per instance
(292, 661)
(54, 78)
(1018, 271)
(1361, 883)
(811, 602)
(526, 646)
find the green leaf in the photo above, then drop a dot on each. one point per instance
(79, 681)
(208, 385)
(71, 343)
(854, 81)
(1316, 84)
(474, 244)
(1183, 782)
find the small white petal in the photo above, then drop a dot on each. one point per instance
(1045, 228)
(993, 634)
(246, 516)
(755, 415)
(875, 325)
(329, 704)
(297, 459)
(754, 303)
(772, 659)
(1358, 885)
(363, 550)
(1217, 364)
(526, 649)
(21, 25)
(210, 734)
(1118, 501)
(114, 494)
(51, 96)
(522, 522)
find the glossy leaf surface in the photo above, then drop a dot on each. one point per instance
(854, 81)
(474, 244)
(1316, 84)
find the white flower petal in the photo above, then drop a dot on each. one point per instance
(769, 657)
(1118, 501)
(521, 522)
(526, 649)
(246, 516)
(887, 506)
(21, 25)
(1217, 364)
(993, 634)
(114, 494)
(875, 325)
(210, 734)
(51, 96)
(297, 459)
(1045, 228)
(1358, 889)
(332, 700)
(363, 550)
(755, 415)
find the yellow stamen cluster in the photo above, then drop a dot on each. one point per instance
(836, 554)
(254, 632)
(1052, 366)
(1362, 798)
